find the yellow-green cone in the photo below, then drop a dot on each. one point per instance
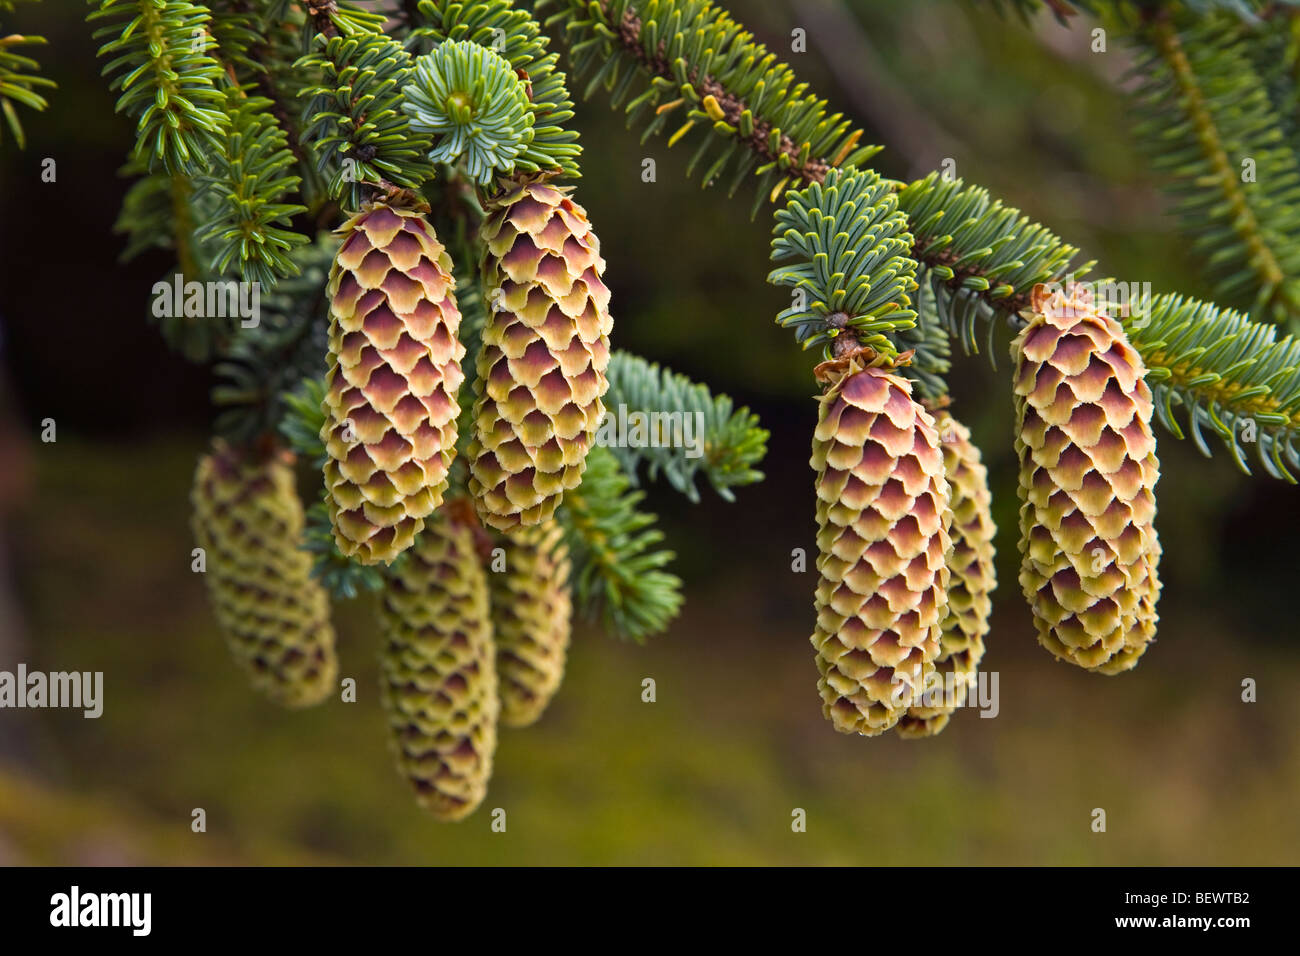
(541, 370)
(531, 616)
(438, 680)
(276, 618)
(394, 371)
(970, 583)
(1088, 471)
(882, 514)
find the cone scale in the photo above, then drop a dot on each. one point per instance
(248, 520)
(541, 370)
(438, 683)
(882, 515)
(1088, 471)
(394, 371)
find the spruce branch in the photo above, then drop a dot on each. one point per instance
(1199, 70)
(19, 83)
(354, 120)
(182, 200)
(729, 440)
(618, 575)
(850, 264)
(158, 213)
(333, 18)
(303, 419)
(979, 257)
(264, 364)
(168, 82)
(250, 180)
(1274, 49)
(162, 211)
(281, 79)
(706, 72)
(1215, 364)
(146, 217)
(238, 26)
(514, 35)
(469, 100)
(1227, 375)
(930, 343)
(982, 258)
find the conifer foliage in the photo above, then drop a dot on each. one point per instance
(19, 79)
(1212, 127)
(168, 83)
(402, 182)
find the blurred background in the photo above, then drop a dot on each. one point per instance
(94, 562)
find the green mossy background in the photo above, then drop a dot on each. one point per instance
(711, 772)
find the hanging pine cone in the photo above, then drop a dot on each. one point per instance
(531, 615)
(1088, 471)
(971, 578)
(541, 370)
(394, 371)
(882, 517)
(438, 679)
(276, 617)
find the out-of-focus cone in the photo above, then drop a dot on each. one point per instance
(531, 617)
(438, 678)
(970, 583)
(248, 520)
